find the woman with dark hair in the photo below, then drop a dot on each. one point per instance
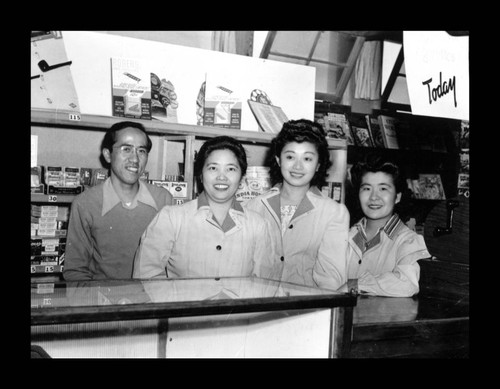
(212, 235)
(309, 229)
(383, 252)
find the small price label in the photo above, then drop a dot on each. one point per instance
(52, 199)
(33, 269)
(75, 117)
(49, 269)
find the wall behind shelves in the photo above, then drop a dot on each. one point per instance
(289, 86)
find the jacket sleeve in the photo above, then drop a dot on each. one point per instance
(403, 280)
(155, 246)
(330, 269)
(79, 245)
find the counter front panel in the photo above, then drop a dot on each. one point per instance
(204, 317)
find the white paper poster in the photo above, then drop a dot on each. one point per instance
(52, 84)
(437, 73)
(34, 150)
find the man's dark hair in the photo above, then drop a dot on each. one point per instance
(110, 137)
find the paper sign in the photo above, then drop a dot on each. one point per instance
(52, 84)
(437, 73)
(34, 150)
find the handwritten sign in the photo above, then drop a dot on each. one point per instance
(437, 73)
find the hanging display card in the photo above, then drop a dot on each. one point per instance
(437, 73)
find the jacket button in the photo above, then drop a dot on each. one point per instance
(218, 247)
(282, 259)
(291, 226)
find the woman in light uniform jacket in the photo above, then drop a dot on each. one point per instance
(383, 252)
(309, 229)
(212, 235)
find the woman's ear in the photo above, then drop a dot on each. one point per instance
(107, 155)
(398, 197)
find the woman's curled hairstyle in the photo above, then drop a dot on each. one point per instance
(299, 131)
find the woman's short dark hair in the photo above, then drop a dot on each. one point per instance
(110, 136)
(373, 163)
(299, 131)
(218, 143)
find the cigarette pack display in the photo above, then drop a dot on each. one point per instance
(40, 189)
(36, 246)
(35, 211)
(47, 232)
(44, 260)
(178, 189)
(46, 219)
(162, 183)
(37, 176)
(63, 213)
(54, 175)
(223, 103)
(60, 233)
(99, 175)
(131, 88)
(51, 189)
(71, 176)
(48, 213)
(48, 225)
(49, 207)
(85, 176)
(333, 190)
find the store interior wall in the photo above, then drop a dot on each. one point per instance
(205, 40)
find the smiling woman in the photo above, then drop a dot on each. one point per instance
(211, 236)
(383, 253)
(308, 228)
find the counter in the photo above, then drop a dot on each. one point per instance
(423, 326)
(184, 318)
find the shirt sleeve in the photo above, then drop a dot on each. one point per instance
(154, 249)
(330, 268)
(402, 281)
(79, 246)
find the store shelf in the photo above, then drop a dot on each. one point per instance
(51, 198)
(47, 269)
(67, 119)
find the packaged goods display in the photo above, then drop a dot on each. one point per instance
(256, 181)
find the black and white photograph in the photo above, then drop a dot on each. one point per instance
(288, 194)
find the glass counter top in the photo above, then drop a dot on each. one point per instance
(85, 301)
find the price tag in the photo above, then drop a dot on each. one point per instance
(33, 269)
(75, 117)
(52, 199)
(49, 269)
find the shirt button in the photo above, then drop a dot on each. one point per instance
(218, 247)
(359, 261)
(291, 226)
(282, 259)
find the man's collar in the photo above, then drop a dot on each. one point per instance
(110, 197)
